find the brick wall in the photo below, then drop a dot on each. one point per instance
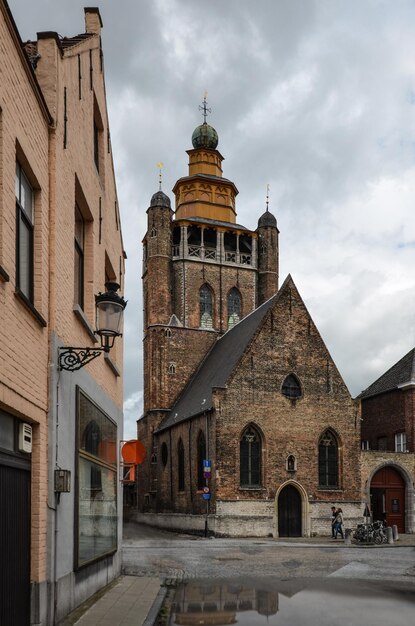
(24, 339)
(384, 416)
(76, 178)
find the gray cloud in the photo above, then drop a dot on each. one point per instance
(315, 98)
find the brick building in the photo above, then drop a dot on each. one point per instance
(235, 372)
(388, 427)
(60, 243)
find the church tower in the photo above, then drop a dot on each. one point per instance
(202, 273)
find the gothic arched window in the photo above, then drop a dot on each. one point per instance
(164, 453)
(206, 307)
(291, 387)
(180, 463)
(234, 307)
(250, 458)
(201, 456)
(328, 460)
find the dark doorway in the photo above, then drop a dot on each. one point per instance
(14, 546)
(289, 512)
(387, 496)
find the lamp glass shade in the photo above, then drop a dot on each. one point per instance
(109, 318)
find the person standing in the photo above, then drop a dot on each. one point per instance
(333, 520)
(338, 526)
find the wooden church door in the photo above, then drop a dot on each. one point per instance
(387, 494)
(289, 512)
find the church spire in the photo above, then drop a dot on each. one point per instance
(204, 107)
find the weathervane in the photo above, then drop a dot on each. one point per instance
(204, 108)
(160, 165)
(267, 200)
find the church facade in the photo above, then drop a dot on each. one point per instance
(248, 425)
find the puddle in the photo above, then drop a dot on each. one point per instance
(290, 602)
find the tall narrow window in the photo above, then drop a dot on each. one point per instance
(79, 258)
(98, 141)
(234, 307)
(24, 234)
(206, 307)
(328, 460)
(180, 463)
(250, 458)
(400, 442)
(201, 456)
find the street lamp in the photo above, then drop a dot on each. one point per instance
(109, 313)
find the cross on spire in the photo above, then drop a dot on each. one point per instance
(204, 107)
(267, 199)
(160, 165)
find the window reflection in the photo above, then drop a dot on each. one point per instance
(97, 482)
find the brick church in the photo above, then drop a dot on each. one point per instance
(236, 374)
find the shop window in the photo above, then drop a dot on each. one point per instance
(96, 498)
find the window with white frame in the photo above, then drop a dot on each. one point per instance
(400, 442)
(24, 234)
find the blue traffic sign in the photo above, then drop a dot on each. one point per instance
(207, 463)
(206, 496)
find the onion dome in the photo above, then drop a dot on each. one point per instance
(267, 219)
(160, 199)
(205, 136)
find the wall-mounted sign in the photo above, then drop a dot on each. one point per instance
(395, 505)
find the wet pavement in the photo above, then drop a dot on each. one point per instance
(193, 580)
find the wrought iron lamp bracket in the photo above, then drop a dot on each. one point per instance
(72, 359)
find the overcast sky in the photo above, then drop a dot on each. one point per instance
(314, 97)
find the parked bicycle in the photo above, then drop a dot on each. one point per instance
(370, 533)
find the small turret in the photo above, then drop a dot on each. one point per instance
(157, 260)
(267, 255)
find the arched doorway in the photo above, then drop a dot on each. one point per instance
(289, 512)
(387, 496)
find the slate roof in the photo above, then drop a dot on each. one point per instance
(63, 42)
(402, 372)
(218, 365)
(68, 42)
